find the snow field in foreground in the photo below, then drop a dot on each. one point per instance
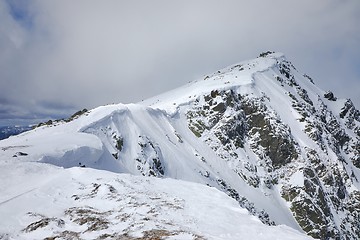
(40, 201)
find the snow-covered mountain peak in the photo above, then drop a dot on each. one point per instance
(240, 75)
(259, 131)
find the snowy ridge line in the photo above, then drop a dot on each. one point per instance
(258, 131)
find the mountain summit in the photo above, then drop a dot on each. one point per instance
(259, 131)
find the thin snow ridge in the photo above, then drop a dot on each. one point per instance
(256, 61)
(103, 117)
(230, 77)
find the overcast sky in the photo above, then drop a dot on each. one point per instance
(57, 57)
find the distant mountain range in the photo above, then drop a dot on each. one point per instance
(7, 131)
(258, 133)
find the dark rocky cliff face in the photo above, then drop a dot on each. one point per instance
(324, 204)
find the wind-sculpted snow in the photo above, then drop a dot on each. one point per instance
(259, 131)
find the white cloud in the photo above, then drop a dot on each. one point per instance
(89, 53)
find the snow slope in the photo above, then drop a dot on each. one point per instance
(41, 201)
(259, 131)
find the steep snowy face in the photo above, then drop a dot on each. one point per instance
(281, 135)
(259, 131)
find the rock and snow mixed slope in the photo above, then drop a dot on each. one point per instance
(259, 131)
(47, 202)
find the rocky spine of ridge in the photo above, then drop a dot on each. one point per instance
(325, 205)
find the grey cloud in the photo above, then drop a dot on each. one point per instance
(55, 105)
(4, 101)
(85, 54)
(14, 115)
